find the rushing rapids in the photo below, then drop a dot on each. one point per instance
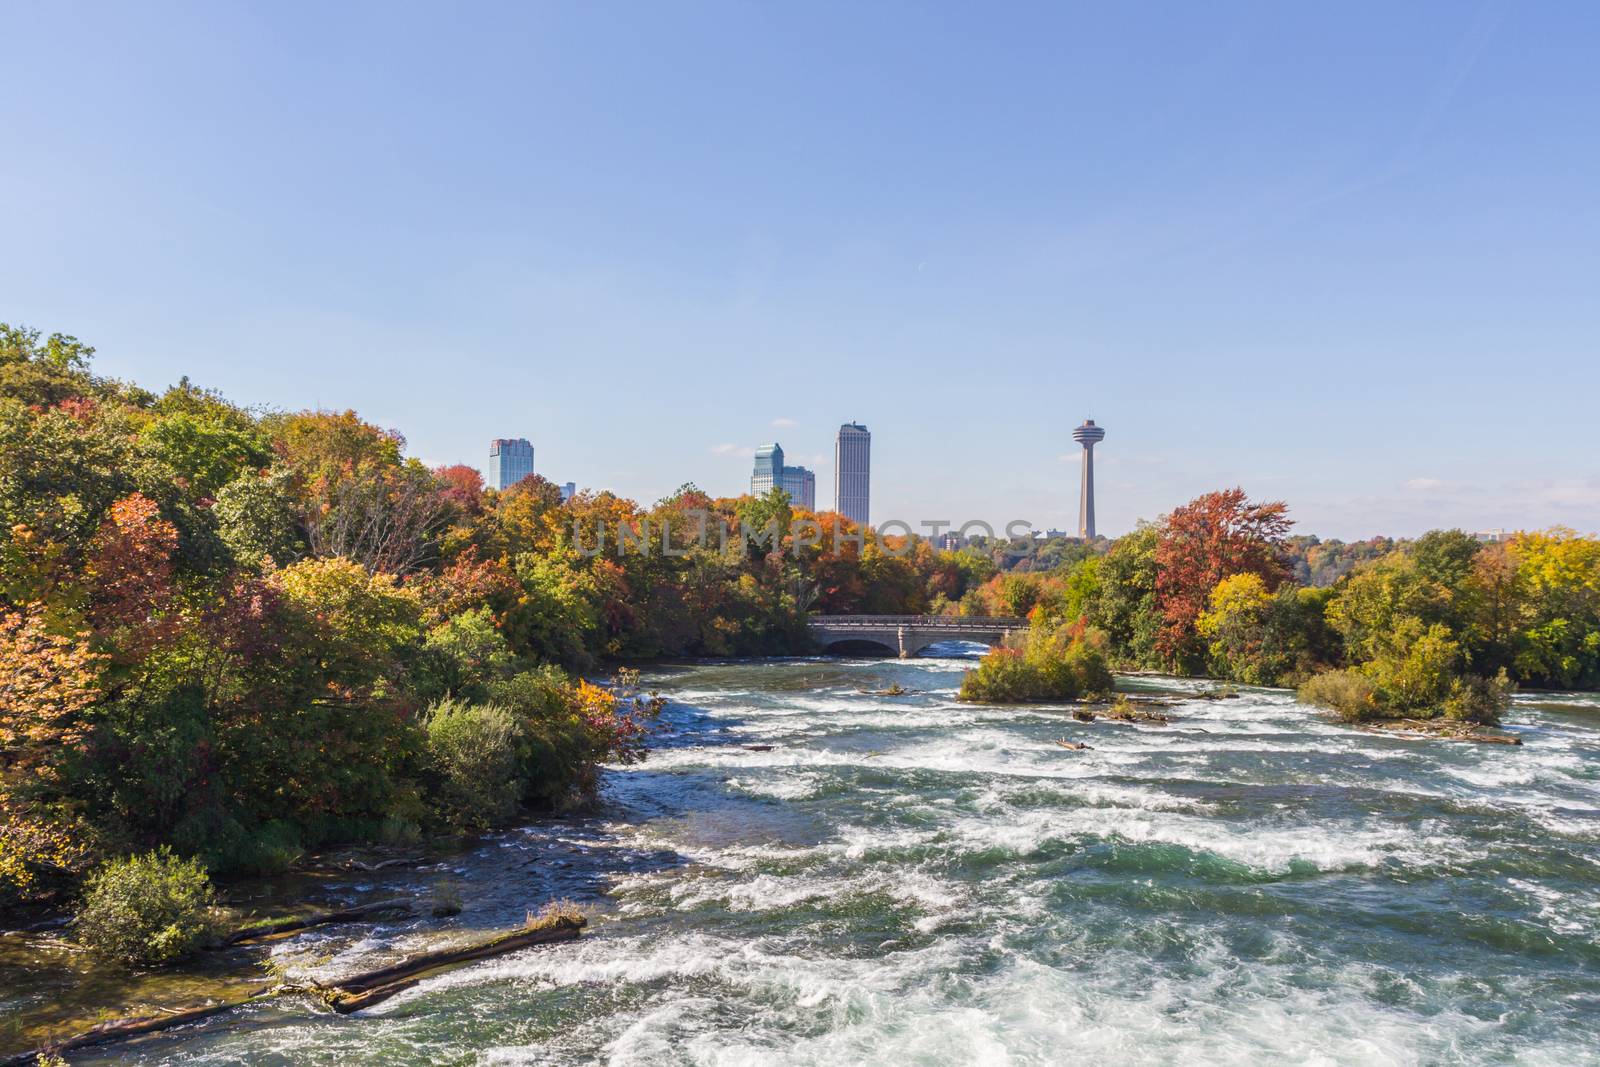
(905, 879)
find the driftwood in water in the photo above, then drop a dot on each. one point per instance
(1076, 746)
(365, 990)
(1121, 714)
(1083, 714)
(351, 995)
(124, 1028)
(398, 861)
(1423, 729)
(756, 748)
(399, 905)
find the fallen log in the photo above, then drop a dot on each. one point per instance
(1076, 746)
(1426, 729)
(1492, 739)
(350, 995)
(373, 987)
(398, 861)
(133, 1027)
(398, 905)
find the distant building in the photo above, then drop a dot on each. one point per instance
(568, 491)
(801, 485)
(951, 542)
(770, 473)
(852, 473)
(510, 461)
(1490, 537)
(1088, 435)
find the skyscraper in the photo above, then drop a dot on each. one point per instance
(852, 473)
(1088, 435)
(801, 485)
(768, 470)
(770, 473)
(510, 461)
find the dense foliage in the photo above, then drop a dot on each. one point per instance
(1048, 664)
(145, 909)
(245, 634)
(1444, 625)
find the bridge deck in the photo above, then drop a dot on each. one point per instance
(954, 622)
(909, 634)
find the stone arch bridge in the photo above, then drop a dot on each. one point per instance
(907, 635)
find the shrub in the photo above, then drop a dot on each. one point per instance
(146, 909)
(475, 748)
(1358, 696)
(1052, 664)
(1003, 676)
(568, 727)
(1090, 669)
(1479, 700)
(1349, 692)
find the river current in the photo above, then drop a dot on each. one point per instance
(804, 872)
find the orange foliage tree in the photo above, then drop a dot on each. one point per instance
(1212, 537)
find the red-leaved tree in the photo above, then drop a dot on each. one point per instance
(130, 575)
(1212, 537)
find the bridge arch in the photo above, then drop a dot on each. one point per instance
(864, 646)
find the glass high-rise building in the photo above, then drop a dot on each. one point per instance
(510, 461)
(801, 485)
(852, 473)
(768, 470)
(770, 473)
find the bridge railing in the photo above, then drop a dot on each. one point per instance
(924, 622)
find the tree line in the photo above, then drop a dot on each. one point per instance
(245, 633)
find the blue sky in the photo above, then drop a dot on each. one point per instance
(1345, 255)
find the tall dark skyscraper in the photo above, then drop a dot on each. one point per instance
(1088, 435)
(852, 473)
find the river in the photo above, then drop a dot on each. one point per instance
(909, 880)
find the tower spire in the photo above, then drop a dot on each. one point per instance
(1088, 435)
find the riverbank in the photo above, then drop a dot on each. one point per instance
(807, 871)
(53, 990)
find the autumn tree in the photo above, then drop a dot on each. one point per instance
(463, 487)
(129, 572)
(1208, 539)
(1559, 640)
(49, 683)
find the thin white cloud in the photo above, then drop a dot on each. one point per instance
(783, 422)
(729, 449)
(1424, 485)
